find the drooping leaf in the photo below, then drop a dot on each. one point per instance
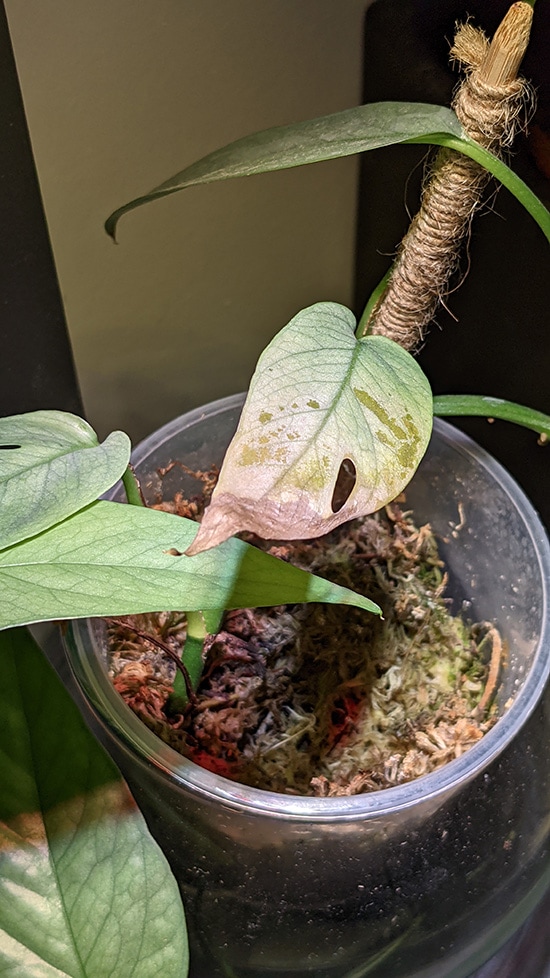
(114, 559)
(51, 465)
(85, 891)
(355, 130)
(320, 399)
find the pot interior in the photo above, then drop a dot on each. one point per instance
(493, 544)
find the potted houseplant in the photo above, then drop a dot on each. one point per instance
(409, 880)
(427, 878)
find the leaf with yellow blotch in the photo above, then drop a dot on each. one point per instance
(324, 409)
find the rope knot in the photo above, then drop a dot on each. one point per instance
(491, 103)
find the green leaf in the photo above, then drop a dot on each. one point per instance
(115, 559)
(319, 397)
(478, 405)
(355, 130)
(363, 127)
(85, 892)
(51, 465)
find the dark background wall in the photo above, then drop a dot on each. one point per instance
(495, 338)
(36, 365)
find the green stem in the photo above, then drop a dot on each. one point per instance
(476, 405)
(192, 652)
(132, 488)
(191, 658)
(507, 177)
(199, 625)
(362, 325)
(493, 165)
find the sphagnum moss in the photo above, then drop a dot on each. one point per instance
(327, 700)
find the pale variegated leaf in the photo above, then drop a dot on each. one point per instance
(319, 397)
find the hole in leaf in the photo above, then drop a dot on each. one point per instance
(345, 481)
(9, 446)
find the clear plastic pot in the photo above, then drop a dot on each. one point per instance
(425, 880)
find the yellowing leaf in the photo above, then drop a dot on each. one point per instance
(320, 399)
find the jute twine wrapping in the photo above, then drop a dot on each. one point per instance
(490, 103)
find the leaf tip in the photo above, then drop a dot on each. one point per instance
(111, 225)
(216, 528)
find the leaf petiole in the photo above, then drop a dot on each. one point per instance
(376, 295)
(200, 624)
(132, 487)
(477, 405)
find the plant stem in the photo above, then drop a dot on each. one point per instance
(376, 295)
(132, 487)
(184, 679)
(191, 657)
(476, 405)
(496, 168)
(504, 175)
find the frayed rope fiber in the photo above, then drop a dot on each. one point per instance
(490, 103)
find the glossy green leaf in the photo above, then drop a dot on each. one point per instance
(355, 130)
(51, 465)
(320, 399)
(85, 892)
(114, 559)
